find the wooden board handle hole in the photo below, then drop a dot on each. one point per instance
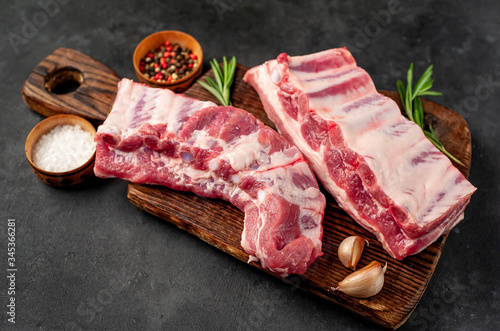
(64, 80)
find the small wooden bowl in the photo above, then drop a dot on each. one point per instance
(66, 178)
(155, 40)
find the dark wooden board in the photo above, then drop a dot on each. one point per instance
(220, 224)
(94, 97)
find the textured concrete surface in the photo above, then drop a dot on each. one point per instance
(87, 259)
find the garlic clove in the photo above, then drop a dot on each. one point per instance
(365, 282)
(350, 250)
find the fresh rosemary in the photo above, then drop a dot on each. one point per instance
(220, 88)
(410, 97)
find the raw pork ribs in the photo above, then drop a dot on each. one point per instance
(378, 165)
(154, 136)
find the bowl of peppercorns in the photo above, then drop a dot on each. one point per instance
(168, 59)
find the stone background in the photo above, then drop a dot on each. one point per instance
(88, 259)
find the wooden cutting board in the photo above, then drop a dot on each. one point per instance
(220, 224)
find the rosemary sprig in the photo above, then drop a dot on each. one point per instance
(220, 88)
(410, 97)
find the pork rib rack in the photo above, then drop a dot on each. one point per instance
(154, 136)
(378, 165)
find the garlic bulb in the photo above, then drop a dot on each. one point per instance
(350, 250)
(365, 282)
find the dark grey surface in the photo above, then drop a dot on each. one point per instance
(88, 259)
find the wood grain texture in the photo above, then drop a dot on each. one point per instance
(93, 99)
(220, 224)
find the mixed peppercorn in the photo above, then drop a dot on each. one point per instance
(168, 63)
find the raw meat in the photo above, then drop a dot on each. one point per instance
(154, 136)
(378, 165)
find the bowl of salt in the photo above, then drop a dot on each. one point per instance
(61, 150)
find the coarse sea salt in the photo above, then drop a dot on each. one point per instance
(64, 148)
